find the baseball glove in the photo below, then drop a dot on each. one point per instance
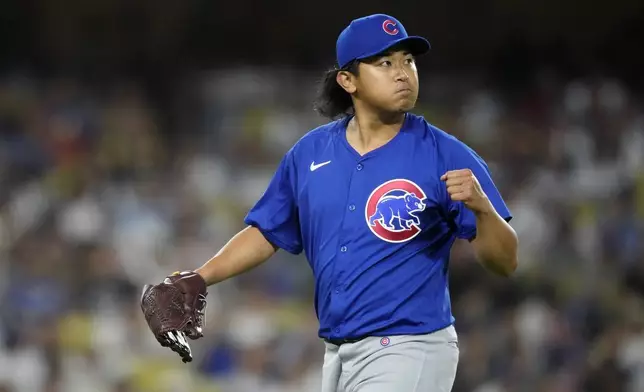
(175, 309)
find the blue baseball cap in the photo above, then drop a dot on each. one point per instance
(374, 34)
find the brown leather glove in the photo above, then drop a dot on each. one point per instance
(175, 309)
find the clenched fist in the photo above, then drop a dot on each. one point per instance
(462, 185)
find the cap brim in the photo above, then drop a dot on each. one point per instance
(416, 46)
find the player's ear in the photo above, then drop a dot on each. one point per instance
(346, 80)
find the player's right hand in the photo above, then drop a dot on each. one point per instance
(175, 310)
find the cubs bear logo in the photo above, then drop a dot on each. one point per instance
(391, 210)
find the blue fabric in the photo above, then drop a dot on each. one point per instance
(372, 35)
(376, 229)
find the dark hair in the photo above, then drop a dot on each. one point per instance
(332, 100)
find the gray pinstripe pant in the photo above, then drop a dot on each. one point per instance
(408, 363)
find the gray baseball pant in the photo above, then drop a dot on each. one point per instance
(406, 363)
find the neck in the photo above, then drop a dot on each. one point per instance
(369, 130)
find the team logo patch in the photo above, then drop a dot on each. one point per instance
(389, 26)
(391, 208)
(385, 341)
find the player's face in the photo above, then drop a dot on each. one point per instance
(389, 82)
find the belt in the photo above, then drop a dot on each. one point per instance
(340, 342)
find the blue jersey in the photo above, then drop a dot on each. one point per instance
(376, 229)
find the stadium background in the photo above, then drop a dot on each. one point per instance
(135, 135)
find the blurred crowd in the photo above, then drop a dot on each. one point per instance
(101, 193)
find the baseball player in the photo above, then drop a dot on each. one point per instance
(375, 199)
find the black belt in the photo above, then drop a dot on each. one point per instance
(340, 342)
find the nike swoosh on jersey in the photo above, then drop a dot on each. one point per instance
(314, 167)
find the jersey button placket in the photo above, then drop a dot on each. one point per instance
(343, 251)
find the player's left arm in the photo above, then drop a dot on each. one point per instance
(478, 210)
(495, 241)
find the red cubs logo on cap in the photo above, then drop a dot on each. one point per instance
(392, 210)
(389, 26)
